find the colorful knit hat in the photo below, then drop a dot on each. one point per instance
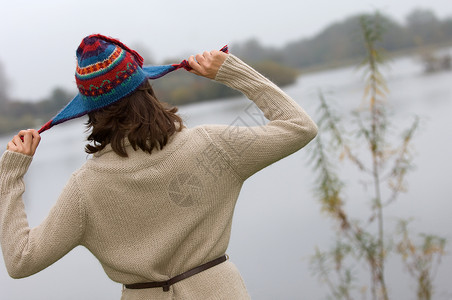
(107, 71)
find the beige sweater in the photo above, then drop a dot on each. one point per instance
(151, 217)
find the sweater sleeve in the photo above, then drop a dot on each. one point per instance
(29, 250)
(249, 149)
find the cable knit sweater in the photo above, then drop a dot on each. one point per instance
(151, 217)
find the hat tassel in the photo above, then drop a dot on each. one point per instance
(184, 64)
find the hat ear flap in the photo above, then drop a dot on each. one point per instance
(72, 110)
(154, 72)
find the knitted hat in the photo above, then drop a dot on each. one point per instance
(107, 71)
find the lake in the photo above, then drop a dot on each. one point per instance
(278, 222)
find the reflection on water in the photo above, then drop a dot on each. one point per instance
(277, 222)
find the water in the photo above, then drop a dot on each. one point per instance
(277, 222)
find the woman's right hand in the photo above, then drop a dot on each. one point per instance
(207, 64)
(25, 142)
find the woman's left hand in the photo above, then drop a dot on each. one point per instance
(25, 142)
(207, 64)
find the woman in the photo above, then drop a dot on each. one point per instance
(154, 203)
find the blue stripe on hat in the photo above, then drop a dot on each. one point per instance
(92, 57)
(104, 70)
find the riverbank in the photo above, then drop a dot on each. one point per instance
(414, 51)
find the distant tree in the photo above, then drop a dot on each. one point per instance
(279, 74)
(253, 51)
(250, 50)
(15, 115)
(446, 27)
(340, 42)
(424, 27)
(4, 86)
(396, 36)
(144, 52)
(420, 17)
(49, 106)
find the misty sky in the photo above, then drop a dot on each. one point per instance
(39, 38)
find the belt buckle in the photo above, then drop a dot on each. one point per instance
(166, 285)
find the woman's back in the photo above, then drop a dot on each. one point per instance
(151, 217)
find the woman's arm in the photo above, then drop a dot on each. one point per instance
(29, 250)
(249, 149)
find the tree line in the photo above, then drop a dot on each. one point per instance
(342, 41)
(337, 44)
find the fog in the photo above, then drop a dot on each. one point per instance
(39, 38)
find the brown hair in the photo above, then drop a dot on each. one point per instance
(144, 120)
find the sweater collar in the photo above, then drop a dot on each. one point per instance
(177, 138)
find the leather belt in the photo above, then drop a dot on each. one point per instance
(166, 284)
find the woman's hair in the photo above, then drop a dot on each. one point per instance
(145, 121)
